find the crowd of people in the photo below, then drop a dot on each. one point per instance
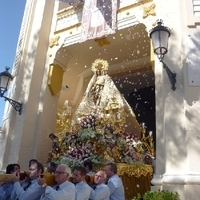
(71, 185)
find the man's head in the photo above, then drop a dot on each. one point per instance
(51, 167)
(62, 173)
(31, 162)
(88, 165)
(16, 167)
(100, 177)
(110, 169)
(35, 170)
(78, 174)
(10, 169)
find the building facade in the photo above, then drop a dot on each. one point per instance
(58, 43)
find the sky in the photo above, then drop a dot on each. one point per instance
(11, 14)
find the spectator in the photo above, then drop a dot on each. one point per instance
(88, 166)
(89, 173)
(101, 192)
(63, 190)
(82, 188)
(28, 190)
(114, 183)
(16, 167)
(51, 167)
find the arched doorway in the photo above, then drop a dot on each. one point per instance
(128, 54)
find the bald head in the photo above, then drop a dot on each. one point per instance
(100, 177)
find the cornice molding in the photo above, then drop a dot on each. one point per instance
(70, 17)
(176, 179)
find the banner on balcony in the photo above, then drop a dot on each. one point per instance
(98, 19)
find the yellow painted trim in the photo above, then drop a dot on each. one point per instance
(149, 10)
(133, 5)
(54, 41)
(55, 78)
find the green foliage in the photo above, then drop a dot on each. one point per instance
(68, 161)
(138, 197)
(158, 195)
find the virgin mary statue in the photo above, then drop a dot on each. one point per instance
(103, 98)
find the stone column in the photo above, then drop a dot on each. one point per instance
(26, 135)
(177, 163)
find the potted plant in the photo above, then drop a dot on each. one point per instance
(158, 195)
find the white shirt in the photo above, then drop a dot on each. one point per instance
(100, 193)
(66, 191)
(116, 188)
(33, 192)
(82, 191)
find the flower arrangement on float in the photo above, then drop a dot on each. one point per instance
(87, 141)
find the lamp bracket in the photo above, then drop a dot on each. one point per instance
(171, 76)
(16, 105)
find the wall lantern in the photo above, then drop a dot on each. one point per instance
(5, 78)
(160, 35)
